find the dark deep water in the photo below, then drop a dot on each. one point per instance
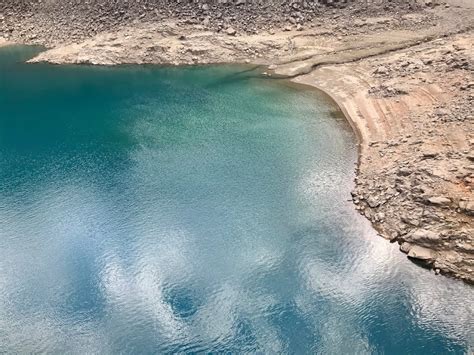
(153, 210)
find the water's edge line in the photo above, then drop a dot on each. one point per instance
(7, 44)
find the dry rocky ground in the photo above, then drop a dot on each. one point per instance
(401, 71)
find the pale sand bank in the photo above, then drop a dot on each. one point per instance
(4, 42)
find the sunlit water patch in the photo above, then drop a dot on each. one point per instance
(153, 210)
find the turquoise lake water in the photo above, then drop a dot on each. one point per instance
(203, 209)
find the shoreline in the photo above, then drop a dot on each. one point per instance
(407, 93)
(355, 110)
(215, 185)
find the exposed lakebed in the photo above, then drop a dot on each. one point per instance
(147, 209)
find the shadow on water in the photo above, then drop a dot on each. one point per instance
(239, 75)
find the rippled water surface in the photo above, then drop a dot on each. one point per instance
(153, 210)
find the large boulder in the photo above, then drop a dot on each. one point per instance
(420, 253)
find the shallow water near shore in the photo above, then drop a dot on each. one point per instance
(158, 210)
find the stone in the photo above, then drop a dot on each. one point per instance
(441, 112)
(404, 172)
(427, 61)
(381, 70)
(359, 23)
(429, 154)
(231, 31)
(439, 200)
(405, 247)
(421, 253)
(411, 220)
(467, 207)
(424, 235)
(373, 202)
